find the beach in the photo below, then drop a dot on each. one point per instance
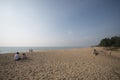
(70, 64)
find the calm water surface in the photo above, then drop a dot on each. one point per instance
(4, 50)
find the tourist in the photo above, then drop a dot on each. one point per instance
(17, 57)
(24, 56)
(95, 52)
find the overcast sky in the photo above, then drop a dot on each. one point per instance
(58, 22)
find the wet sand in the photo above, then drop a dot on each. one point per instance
(72, 64)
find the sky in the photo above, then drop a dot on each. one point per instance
(58, 22)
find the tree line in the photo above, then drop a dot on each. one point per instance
(110, 42)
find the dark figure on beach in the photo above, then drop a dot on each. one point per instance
(30, 50)
(17, 57)
(95, 52)
(24, 56)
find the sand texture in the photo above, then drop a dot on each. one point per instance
(73, 64)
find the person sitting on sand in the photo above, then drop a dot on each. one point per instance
(95, 52)
(16, 56)
(24, 56)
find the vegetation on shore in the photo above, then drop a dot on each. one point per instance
(110, 42)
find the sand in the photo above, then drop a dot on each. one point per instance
(73, 64)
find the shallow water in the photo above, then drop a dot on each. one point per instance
(4, 50)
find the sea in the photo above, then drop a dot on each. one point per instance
(4, 50)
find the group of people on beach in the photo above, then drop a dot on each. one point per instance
(17, 56)
(95, 52)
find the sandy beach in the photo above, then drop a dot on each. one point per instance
(71, 64)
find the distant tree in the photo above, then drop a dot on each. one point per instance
(115, 41)
(105, 42)
(110, 42)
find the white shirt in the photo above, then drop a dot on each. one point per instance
(16, 56)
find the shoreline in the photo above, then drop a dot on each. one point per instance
(35, 49)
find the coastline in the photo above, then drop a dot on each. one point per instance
(4, 50)
(62, 64)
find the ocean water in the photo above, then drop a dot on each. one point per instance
(4, 50)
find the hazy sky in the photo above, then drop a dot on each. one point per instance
(58, 22)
